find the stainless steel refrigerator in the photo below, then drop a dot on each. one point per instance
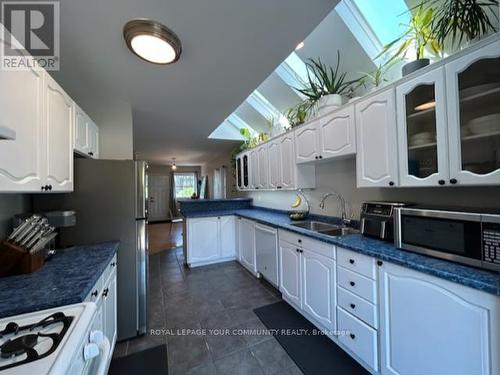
(110, 200)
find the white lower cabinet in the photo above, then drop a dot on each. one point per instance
(210, 240)
(307, 281)
(432, 326)
(246, 244)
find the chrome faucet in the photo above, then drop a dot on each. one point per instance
(342, 203)
(308, 204)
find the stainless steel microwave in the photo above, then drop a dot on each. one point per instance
(467, 236)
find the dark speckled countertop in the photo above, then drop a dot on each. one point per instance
(475, 278)
(65, 279)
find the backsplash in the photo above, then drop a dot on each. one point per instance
(12, 204)
(340, 176)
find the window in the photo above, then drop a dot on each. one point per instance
(185, 185)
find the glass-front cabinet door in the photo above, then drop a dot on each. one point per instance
(473, 83)
(422, 135)
(239, 174)
(245, 171)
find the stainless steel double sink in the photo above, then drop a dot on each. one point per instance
(325, 228)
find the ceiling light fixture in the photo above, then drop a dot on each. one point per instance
(174, 167)
(299, 46)
(152, 41)
(424, 106)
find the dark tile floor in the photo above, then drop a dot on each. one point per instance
(219, 297)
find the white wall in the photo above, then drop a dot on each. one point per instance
(340, 176)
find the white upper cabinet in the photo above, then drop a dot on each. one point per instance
(59, 136)
(274, 153)
(263, 169)
(86, 134)
(473, 98)
(306, 143)
(432, 326)
(337, 134)
(288, 168)
(93, 140)
(376, 158)
(22, 161)
(254, 169)
(422, 130)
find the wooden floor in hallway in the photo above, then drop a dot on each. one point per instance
(163, 236)
(218, 297)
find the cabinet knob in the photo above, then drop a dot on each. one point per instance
(278, 187)
(351, 261)
(352, 305)
(91, 153)
(352, 336)
(94, 293)
(50, 187)
(379, 262)
(105, 292)
(297, 250)
(453, 181)
(113, 264)
(316, 157)
(391, 183)
(352, 283)
(43, 188)
(441, 182)
(321, 156)
(299, 240)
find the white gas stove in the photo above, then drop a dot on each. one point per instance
(64, 340)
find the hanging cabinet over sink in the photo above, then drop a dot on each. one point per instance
(473, 87)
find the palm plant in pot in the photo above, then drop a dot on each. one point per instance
(418, 37)
(326, 86)
(457, 21)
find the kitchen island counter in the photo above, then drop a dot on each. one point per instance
(66, 278)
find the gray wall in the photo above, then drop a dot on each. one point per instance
(11, 204)
(340, 175)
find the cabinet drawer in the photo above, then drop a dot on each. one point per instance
(357, 306)
(308, 243)
(360, 338)
(357, 284)
(356, 262)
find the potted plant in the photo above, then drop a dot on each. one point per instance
(462, 20)
(325, 86)
(376, 78)
(298, 114)
(418, 36)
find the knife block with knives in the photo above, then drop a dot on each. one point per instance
(22, 252)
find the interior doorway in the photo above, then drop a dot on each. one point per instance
(164, 236)
(159, 206)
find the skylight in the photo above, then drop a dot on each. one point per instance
(374, 23)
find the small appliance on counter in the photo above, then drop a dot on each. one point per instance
(463, 235)
(377, 219)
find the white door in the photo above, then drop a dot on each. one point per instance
(473, 97)
(158, 191)
(274, 163)
(306, 145)
(422, 130)
(377, 152)
(59, 136)
(227, 237)
(109, 308)
(81, 135)
(434, 327)
(22, 161)
(263, 176)
(247, 244)
(337, 134)
(254, 169)
(290, 273)
(203, 239)
(287, 162)
(319, 287)
(93, 140)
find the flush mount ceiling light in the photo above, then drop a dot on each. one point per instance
(425, 106)
(174, 167)
(152, 41)
(299, 46)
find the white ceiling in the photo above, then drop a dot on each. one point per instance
(229, 48)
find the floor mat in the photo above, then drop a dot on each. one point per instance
(314, 355)
(150, 361)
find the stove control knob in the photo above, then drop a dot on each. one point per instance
(96, 337)
(90, 351)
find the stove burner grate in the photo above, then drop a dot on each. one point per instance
(25, 344)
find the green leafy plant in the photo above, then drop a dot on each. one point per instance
(376, 77)
(418, 36)
(323, 80)
(298, 114)
(456, 20)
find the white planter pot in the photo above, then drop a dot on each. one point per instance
(329, 103)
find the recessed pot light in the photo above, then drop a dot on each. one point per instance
(299, 46)
(152, 41)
